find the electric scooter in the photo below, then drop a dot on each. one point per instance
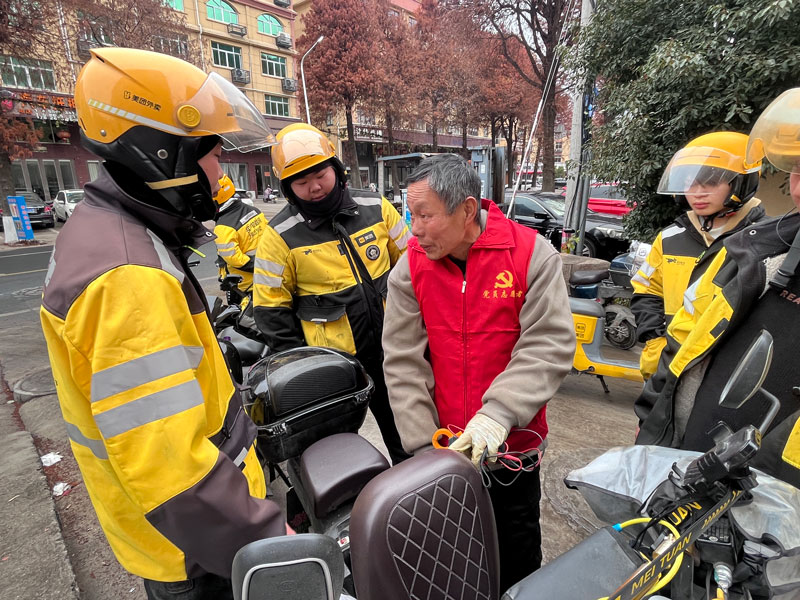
(707, 528)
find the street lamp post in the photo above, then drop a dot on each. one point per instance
(303, 76)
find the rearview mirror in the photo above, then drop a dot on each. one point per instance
(541, 215)
(750, 372)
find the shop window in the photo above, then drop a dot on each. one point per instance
(238, 174)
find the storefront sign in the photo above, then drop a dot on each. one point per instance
(43, 106)
(364, 133)
(19, 212)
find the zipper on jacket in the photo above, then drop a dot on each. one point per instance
(464, 342)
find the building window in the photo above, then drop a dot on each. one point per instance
(558, 148)
(274, 66)
(226, 56)
(174, 4)
(364, 118)
(269, 25)
(277, 106)
(217, 10)
(238, 174)
(174, 46)
(94, 29)
(27, 73)
(94, 169)
(412, 21)
(472, 130)
(393, 13)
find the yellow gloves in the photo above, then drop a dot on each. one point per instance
(481, 433)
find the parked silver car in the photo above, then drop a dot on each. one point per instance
(65, 203)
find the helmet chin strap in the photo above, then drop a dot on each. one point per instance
(732, 205)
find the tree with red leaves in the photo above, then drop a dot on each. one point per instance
(341, 70)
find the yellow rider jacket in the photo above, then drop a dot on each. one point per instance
(323, 283)
(680, 254)
(166, 451)
(238, 230)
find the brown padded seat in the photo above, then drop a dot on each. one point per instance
(336, 468)
(588, 277)
(425, 529)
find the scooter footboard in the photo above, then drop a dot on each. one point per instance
(593, 569)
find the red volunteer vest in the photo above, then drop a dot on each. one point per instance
(473, 320)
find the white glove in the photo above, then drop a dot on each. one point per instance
(481, 433)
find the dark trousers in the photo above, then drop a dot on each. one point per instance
(205, 587)
(516, 513)
(379, 405)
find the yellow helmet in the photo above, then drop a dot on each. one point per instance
(710, 159)
(226, 190)
(776, 133)
(121, 88)
(155, 116)
(299, 147)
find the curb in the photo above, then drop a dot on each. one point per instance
(34, 385)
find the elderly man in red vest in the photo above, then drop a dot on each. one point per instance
(478, 336)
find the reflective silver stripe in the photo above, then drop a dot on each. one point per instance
(51, 267)
(250, 253)
(397, 229)
(240, 457)
(689, 296)
(403, 241)
(368, 201)
(639, 279)
(148, 409)
(672, 230)
(128, 375)
(288, 223)
(97, 447)
(163, 256)
(268, 265)
(121, 112)
(226, 252)
(248, 216)
(226, 246)
(647, 269)
(267, 280)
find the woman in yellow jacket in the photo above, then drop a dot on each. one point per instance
(238, 230)
(710, 175)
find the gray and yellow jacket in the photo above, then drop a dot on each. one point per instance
(156, 425)
(722, 312)
(238, 230)
(680, 255)
(323, 283)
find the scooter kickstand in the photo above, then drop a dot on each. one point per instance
(603, 383)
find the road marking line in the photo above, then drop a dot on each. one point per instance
(23, 273)
(26, 254)
(18, 312)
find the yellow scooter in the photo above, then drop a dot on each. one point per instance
(590, 356)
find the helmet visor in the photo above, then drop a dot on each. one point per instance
(700, 166)
(776, 133)
(219, 108)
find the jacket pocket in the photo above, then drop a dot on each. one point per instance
(327, 326)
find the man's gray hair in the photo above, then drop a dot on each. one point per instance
(451, 178)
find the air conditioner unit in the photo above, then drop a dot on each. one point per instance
(240, 76)
(283, 40)
(236, 29)
(289, 85)
(282, 3)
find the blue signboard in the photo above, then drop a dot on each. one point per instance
(19, 212)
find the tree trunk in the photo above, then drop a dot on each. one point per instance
(6, 183)
(494, 130)
(464, 148)
(393, 164)
(548, 127)
(508, 133)
(435, 126)
(355, 173)
(536, 162)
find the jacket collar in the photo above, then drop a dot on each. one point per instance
(496, 228)
(347, 209)
(741, 218)
(174, 230)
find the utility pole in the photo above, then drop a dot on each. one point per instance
(578, 180)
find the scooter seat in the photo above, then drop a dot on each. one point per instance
(590, 308)
(587, 277)
(335, 469)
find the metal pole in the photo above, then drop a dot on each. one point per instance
(303, 76)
